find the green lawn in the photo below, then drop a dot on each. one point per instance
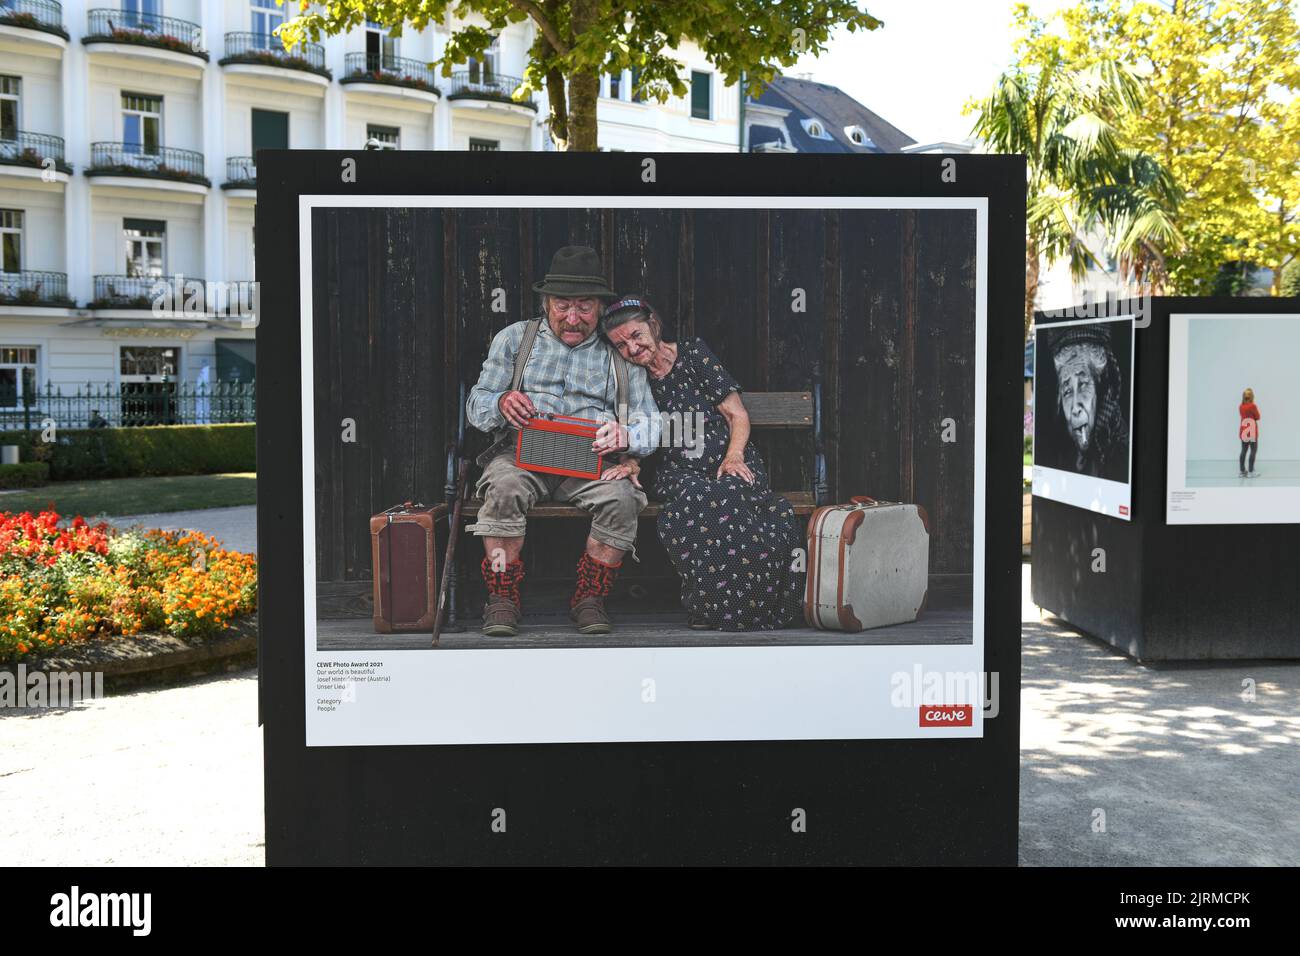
(128, 496)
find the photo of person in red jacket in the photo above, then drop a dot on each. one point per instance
(1248, 432)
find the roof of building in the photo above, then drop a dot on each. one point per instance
(811, 102)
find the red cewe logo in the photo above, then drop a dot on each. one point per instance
(1123, 509)
(947, 715)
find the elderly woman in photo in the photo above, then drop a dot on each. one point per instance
(732, 539)
(1090, 401)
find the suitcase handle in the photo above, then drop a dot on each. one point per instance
(863, 500)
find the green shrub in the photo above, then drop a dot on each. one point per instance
(81, 454)
(1291, 278)
(27, 474)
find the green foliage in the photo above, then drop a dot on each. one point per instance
(1291, 278)
(27, 474)
(1081, 170)
(578, 40)
(1222, 116)
(132, 452)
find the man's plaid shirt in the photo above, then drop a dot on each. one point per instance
(577, 381)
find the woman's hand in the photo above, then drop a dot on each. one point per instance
(735, 465)
(628, 468)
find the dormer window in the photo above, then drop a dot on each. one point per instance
(815, 128)
(858, 136)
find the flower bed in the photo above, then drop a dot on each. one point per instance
(64, 584)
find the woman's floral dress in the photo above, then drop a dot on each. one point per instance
(734, 544)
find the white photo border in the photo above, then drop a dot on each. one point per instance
(1189, 506)
(598, 695)
(1113, 498)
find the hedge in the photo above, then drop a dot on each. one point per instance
(27, 474)
(88, 453)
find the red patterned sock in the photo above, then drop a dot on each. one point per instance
(595, 578)
(505, 583)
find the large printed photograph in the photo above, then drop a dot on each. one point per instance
(1234, 419)
(1083, 413)
(585, 430)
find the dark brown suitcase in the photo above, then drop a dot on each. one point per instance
(404, 568)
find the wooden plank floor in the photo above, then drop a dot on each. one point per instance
(935, 627)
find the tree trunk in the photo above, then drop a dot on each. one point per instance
(555, 95)
(584, 87)
(584, 90)
(1031, 284)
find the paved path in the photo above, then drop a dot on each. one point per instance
(235, 527)
(167, 777)
(1186, 772)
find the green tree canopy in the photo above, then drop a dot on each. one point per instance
(1222, 115)
(578, 40)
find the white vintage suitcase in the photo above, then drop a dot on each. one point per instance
(868, 565)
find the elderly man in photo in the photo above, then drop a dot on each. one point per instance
(568, 370)
(1090, 401)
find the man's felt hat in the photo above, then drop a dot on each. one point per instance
(575, 272)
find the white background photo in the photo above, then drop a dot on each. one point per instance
(1212, 360)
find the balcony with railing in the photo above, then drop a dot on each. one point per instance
(144, 30)
(265, 49)
(386, 70)
(45, 16)
(152, 162)
(241, 173)
(24, 148)
(483, 84)
(34, 288)
(142, 292)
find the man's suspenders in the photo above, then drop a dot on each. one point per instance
(502, 435)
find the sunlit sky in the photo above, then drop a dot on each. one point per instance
(919, 69)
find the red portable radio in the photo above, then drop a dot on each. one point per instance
(559, 445)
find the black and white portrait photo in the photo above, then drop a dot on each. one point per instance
(1083, 392)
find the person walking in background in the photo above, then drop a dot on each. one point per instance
(1249, 432)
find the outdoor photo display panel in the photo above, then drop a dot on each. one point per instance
(790, 683)
(889, 316)
(1234, 419)
(1083, 413)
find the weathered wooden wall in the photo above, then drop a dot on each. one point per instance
(404, 296)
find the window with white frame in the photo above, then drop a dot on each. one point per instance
(381, 49)
(815, 128)
(484, 69)
(141, 14)
(10, 99)
(701, 95)
(11, 239)
(145, 241)
(615, 85)
(141, 124)
(383, 137)
(858, 136)
(637, 96)
(484, 145)
(266, 16)
(17, 375)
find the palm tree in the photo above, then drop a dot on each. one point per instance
(1080, 175)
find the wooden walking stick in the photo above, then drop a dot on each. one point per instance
(453, 532)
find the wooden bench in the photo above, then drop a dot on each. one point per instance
(767, 410)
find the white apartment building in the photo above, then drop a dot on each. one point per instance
(128, 131)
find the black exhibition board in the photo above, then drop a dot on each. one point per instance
(1170, 592)
(909, 801)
